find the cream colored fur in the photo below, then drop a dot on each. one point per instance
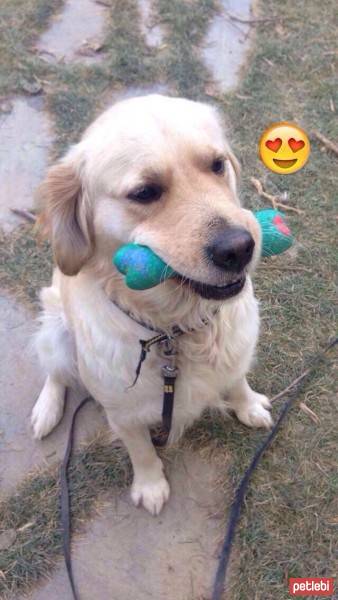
(85, 338)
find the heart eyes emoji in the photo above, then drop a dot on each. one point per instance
(274, 145)
(284, 148)
(295, 145)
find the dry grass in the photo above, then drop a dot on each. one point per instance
(290, 521)
(27, 263)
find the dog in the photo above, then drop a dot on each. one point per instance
(157, 171)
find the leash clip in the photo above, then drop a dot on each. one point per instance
(168, 348)
(169, 352)
(169, 372)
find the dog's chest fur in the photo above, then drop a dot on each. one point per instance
(210, 360)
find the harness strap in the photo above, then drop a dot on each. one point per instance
(169, 377)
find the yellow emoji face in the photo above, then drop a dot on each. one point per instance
(284, 148)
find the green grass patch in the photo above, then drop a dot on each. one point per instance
(27, 263)
(185, 24)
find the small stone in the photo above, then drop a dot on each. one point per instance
(48, 57)
(7, 538)
(211, 89)
(280, 30)
(90, 48)
(31, 87)
(6, 106)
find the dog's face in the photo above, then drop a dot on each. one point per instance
(157, 171)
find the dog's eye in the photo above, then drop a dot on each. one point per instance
(146, 193)
(218, 166)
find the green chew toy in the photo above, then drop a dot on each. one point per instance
(143, 269)
(276, 236)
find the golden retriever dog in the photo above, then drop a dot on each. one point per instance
(157, 171)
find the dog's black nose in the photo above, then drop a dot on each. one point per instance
(231, 249)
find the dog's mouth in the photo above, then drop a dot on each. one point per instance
(214, 292)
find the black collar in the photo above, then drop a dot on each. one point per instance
(175, 329)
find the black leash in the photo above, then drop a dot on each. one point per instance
(65, 498)
(235, 511)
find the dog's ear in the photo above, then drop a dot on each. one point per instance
(66, 217)
(234, 171)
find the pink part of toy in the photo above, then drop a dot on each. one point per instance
(280, 224)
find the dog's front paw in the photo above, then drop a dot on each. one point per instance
(255, 413)
(151, 494)
(48, 410)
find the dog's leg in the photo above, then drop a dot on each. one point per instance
(250, 407)
(48, 409)
(150, 487)
(56, 351)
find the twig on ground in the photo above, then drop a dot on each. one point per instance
(254, 20)
(25, 214)
(26, 526)
(275, 200)
(325, 141)
(242, 97)
(292, 385)
(280, 268)
(309, 412)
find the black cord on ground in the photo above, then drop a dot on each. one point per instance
(65, 499)
(219, 582)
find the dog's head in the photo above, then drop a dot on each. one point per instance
(157, 171)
